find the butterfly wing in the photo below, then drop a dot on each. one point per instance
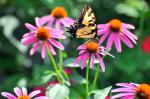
(85, 26)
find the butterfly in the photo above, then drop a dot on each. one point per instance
(84, 26)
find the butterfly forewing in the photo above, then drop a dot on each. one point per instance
(85, 26)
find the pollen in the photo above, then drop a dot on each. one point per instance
(59, 12)
(92, 47)
(43, 33)
(23, 97)
(143, 91)
(115, 25)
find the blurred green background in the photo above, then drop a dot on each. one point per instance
(17, 68)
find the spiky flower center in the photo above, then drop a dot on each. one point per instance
(92, 47)
(143, 91)
(43, 33)
(59, 12)
(23, 97)
(115, 25)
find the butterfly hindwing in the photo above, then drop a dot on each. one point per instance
(85, 26)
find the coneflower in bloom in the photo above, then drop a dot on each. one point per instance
(131, 91)
(116, 31)
(58, 17)
(145, 44)
(43, 35)
(21, 93)
(91, 49)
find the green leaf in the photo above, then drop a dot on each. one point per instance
(101, 94)
(57, 91)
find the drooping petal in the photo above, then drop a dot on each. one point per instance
(17, 91)
(24, 91)
(42, 97)
(34, 93)
(128, 97)
(101, 26)
(58, 24)
(85, 58)
(102, 31)
(30, 27)
(126, 41)
(127, 26)
(54, 31)
(82, 52)
(46, 19)
(101, 62)
(123, 90)
(43, 50)
(81, 47)
(129, 35)
(27, 41)
(56, 35)
(104, 37)
(8, 95)
(56, 44)
(121, 95)
(38, 22)
(126, 85)
(92, 60)
(67, 21)
(110, 41)
(78, 59)
(34, 48)
(30, 34)
(117, 42)
(50, 47)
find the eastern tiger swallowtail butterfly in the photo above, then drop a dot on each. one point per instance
(85, 26)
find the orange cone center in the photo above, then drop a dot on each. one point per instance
(59, 12)
(43, 33)
(23, 97)
(92, 47)
(115, 25)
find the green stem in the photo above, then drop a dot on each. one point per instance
(95, 78)
(54, 65)
(60, 57)
(87, 79)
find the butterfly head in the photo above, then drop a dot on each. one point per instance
(72, 30)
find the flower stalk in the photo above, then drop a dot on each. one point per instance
(87, 79)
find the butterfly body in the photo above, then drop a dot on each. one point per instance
(85, 26)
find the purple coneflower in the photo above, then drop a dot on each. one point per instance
(43, 35)
(23, 94)
(132, 91)
(116, 30)
(91, 49)
(58, 17)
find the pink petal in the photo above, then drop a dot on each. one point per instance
(28, 41)
(30, 27)
(67, 21)
(30, 34)
(81, 47)
(117, 42)
(24, 91)
(101, 62)
(42, 97)
(58, 25)
(129, 35)
(121, 95)
(54, 31)
(34, 93)
(123, 90)
(78, 59)
(46, 19)
(104, 37)
(110, 41)
(92, 60)
(82, 52)
(51, 21)
(17, 91)
(51, 49)
(38, 23)
(126, 85)
(56, 44)
(102, 31)
(126, 41)
(84, 59)
(34, 48)
(101, 26)
(8, 95)
(56, 35)
(128, 97)
(43, 50)
(127, 26)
